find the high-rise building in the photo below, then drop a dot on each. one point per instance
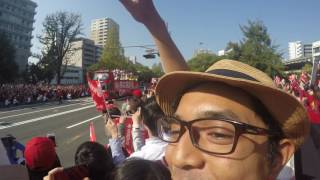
(307, 50)
(86, 54)
(299, 50)
(316, 49)
(295, 49)
(100, 29)
(16, 21)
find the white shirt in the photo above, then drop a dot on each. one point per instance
(287, 173)
(153, 150)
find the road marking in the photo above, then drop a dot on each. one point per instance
(22, 106)
(44, 117)
(74, 125)
(30, 106)
(41, 110)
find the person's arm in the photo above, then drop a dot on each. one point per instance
(121, 125)
(116, 150)
(144, 12)
(114, 142)
(137, 139)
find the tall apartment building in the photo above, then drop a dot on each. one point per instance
(295, 49)
(307, 50)
(86, 53)
(316, 49)
(16, 21)
(299, 50)
(100, 29)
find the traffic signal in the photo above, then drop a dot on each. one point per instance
(149, 56)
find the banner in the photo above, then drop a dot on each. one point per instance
(97, 94)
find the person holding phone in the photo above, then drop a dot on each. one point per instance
(151, 148)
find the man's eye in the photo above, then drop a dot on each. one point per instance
(222, 138)
(217, 135)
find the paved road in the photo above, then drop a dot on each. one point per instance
(69, 121)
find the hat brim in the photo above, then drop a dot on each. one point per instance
(285, 108)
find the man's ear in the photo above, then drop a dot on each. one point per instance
(286, 151)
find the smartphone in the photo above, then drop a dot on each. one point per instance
(73, 173)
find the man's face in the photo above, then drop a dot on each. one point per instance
(248, 161)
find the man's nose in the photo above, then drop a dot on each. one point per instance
(185, 155)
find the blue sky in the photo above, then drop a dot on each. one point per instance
(190, 22)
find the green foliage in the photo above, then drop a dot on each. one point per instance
(203, 61)
(42, 71)
(113, 54)
(157, 70)
(8, 66)
(256, 49)
(307, 68)
(60, 30)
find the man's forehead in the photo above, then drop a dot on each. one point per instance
(216, 100)
(210, 114)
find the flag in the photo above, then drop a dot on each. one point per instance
(97, 94)
(92, 133)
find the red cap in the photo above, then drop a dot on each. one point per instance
(137, 93)
(40, 154)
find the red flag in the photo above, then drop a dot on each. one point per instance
(92, 133)
(97, 94)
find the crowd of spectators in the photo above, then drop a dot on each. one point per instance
(308, 94)
(96, 161)
(17, 94)
(123, 75)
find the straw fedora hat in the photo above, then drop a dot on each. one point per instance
(285, 108)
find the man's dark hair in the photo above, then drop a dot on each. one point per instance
(138, 169)
(272, 124)
(150, 113)
(97, 158)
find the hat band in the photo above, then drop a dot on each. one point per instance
(231, 73)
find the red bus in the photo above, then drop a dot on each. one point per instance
(114, 88)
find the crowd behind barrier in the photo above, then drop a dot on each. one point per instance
(17, 94)
(300, 87)
(95, 160)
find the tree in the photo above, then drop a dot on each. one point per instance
(157, 70)
(8, 66)
(203, 61)
(256, 49)
(113, 53)
(307, 68)
(60, 30)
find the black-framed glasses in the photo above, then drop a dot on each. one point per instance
(216, 136)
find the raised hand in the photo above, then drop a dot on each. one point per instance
(145, 12)
(136, 118)
(142, 10)
(111, 129)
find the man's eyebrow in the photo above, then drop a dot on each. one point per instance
(225, 114)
